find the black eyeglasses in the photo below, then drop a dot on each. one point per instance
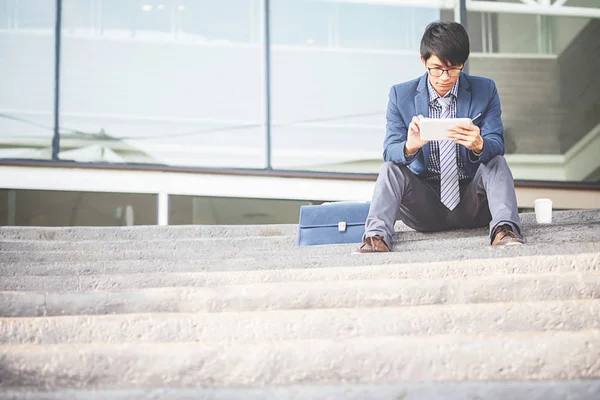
(437, 72)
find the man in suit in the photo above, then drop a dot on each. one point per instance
(460, 183)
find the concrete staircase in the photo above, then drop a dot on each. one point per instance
(241, 312)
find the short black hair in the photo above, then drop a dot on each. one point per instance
(448, 41)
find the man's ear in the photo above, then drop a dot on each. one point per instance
(422, 60)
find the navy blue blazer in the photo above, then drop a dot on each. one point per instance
(475, 95)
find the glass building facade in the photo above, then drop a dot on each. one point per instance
(183, 82)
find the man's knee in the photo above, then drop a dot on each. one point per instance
(393, 173)
(497, 163)
(390, 168)
(498, 159)
(386, 167)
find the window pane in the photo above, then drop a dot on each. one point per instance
(550, 102)
(186, 210)
(331, 81)
(58, 208)
(26, 78)
(173, 82)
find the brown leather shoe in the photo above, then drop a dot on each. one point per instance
(373, 244)
(504, 236)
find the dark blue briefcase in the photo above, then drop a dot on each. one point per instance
(332, 223)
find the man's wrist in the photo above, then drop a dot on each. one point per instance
(408, 152)
(476, 152)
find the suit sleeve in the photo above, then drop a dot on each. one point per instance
(492, 130)
(396, 133)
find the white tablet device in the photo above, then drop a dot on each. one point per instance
(437, 128)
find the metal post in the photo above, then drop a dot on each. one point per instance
(547, 34)
(463, 21)
(57, 40)
(457, 10)
(329, 25)
(268, 82)
(100, 17)
(540, 34)
(9, 15)
(484, 36)
(15, 15)
(92, 15)
(163, 208)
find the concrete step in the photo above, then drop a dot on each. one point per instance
(513, 390)
(219, 231)
(434, 245)
(163, 245)
(97, 234)
(534, 233)
(330, 256)
(373, 360)
(299, 295)
(242, 311)
(78, 278)
(568, 315)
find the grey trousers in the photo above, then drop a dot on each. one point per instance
(489, 199)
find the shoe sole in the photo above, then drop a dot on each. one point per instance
(508, 244)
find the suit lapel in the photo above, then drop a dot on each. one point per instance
(422, 98)
(463, 106)
(422, 108)
(464, 98)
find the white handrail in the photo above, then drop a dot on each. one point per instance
(519, 8)
(440, 4)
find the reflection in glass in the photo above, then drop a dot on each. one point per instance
(26, 78)
(58, 208)
(550, 102)
(181, 82)
(173, 82)
(331, 77)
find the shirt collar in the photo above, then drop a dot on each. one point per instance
(433, 95)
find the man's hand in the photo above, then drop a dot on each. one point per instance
(414, 142)
(469, 136)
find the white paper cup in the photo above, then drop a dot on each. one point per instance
(543, 211)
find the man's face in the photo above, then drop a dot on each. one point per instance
(442, 84)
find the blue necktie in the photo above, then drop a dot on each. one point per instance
(449, 189)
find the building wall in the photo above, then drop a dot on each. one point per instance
(579, 86)
(517, 33)
(566, 29)
(531, 108)
(520, 33)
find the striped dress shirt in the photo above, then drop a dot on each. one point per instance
(435, 111)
